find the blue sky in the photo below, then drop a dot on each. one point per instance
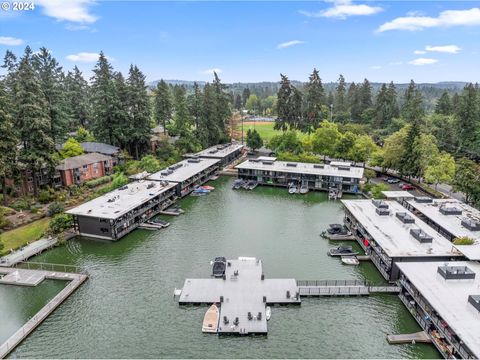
(252, 41)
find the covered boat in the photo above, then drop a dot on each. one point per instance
(350, 260)
(342, 251)
(219, 265)
(210, 320)
(237, 184)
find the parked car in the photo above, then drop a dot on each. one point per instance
(408, 187)
(393, 181)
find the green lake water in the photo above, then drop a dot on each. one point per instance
(126, 309)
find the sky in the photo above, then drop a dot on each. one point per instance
(253, 41)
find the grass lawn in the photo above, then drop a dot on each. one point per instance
(13, 239)
(265, 129)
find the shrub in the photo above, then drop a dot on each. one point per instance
(60, 223)
(301, 157)
(21, 204)
(55, 208)
(464, 240)
(44, 197)
(377, 191)
(100, 181)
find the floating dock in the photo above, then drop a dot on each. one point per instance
(243, 290)
(27, 252)
(337, 237)
(30, 277)
(418, 337)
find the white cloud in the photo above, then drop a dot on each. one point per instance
(10, 41)
(71, 10)
(423, 61)
(446, 18)
(290, 43)
(211, 71)
(419, 52)
(450, 49)
(85, 57)
(342, 9)
(375, 67)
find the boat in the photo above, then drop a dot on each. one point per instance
(350, 260)
(237, 184)
(160, 222)
(337, 229)
(200, 190)
(252, 184)
(268, 313)
(304, 188)
(342, 251)
(292, 188)
(219, 265)
(207, 187)
(210, 320)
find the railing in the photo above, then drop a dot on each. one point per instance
(52, 267)
(318, 283)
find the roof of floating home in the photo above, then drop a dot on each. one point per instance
(453, 223)
(101, 148)
(118, 202)
(218, 151)
(393, 235)
(449, 298)
(183, 170)
(302, 168)
(81, 160)
(397, 194)
(340, 163)
(267, 158)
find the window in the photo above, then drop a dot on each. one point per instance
(85, 167)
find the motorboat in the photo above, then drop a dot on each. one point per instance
(304, 188)
(200, 190)
(207, 187)
(219, 265)
(292, 188)
(342, 251)
(252, 184)
(350, 260)
(210, 320)
(268, 313)
(161, 222)
(337, 229)
(237, 184)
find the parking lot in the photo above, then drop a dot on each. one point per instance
(395, 184)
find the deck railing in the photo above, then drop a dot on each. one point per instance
(52, 267)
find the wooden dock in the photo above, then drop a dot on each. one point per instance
(30, 277)
(418, 337)
(27, 252)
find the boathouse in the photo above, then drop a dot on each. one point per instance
(226, 153)
(115, 214)
(444, 298)
(187, 173)
(391, 234)
(270, 171)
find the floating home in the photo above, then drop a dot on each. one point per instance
(270, 171)
(117, 213)
(451, 218)
(391, 234)
(226, 153)
(187, 173)
(444, 298)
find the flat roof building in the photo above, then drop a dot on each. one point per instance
(397, 195)
(118, 212)
(269, 171)
(444, 298)
(226, 153)
(188, 173)
(391, 234)
(453, 219)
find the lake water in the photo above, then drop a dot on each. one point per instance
(126, 309)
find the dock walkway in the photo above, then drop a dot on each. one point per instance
(29, 277)
(318, 288)
(27, 252)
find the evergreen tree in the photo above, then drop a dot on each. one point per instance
(33, 121)
(222, 108)
(245, 95)
(78, 99)
(412, 108)
(182, 117)
(254, 141)
(444, 104)
(341, 102)
(354, 102)
(122, 127)
(289, 103)
(163, 104)
(386, 106)
(139, 112)
(314, 98)
(238, 102)
(8, 139)
(195, 104)
(468, 119)
(51, 79)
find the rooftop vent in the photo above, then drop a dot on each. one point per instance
(405, 218)
(213, 151)
(150, 185)
(450, 210)
(193, 160)
(423, 199)
(319, 166)
(380, 204)
(382, 211)
(125, 187)
(292, 164)
(164, 173)
(455, 272)
(421, 236)
(470, 224)
(254, 160)
(475, 301)
(267, 162)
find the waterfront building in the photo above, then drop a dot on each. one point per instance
(187, 173)
(117, 213)
(78, 169)
(444, 298)
(391, 234)
(104, 149)
(270, 171)
(451, 218)
(226, 153)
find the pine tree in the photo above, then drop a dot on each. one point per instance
(8, 139)
(289, 102)
(222, 108)
(33, 121)
(51, 79)
(182, 117)
(78, 99)
(314, 100)
(412, 108)
(122, 128)
(341, 103)
(354, 102)
(195, 104)
(444, 104)
(468, 119)
(238, 102)
(385, 106)
(245, 95)
(163, 104)
(139, 111)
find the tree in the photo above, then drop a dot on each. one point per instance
(245, 95)
(412, 108)
(163, 104)
(150, 164)
(195, 102)
(369, 174)
(444, 104)
(289, 103)
(325, 139)
(33, 122)
(238, 102)
(394, 148)
(182, 119)
(83, 135)
(341, 104)
(314, 100)
(386, 107)
(468, 119)
(78, 99)
(286, 142)
(254, 141)
(71, 148)
(441, 169)
(363, 149)
(425, 146)
(344, 145)
(410, 160)
(8, 140)
(253, 104)
(467, 180)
